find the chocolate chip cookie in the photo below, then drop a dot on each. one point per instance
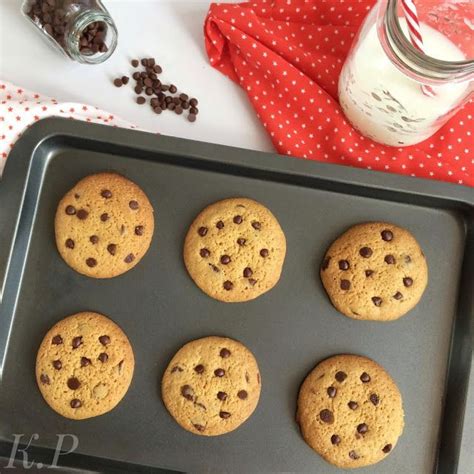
(350, 411)
(375, 271)
(84, 366)
(211, 386)
(104, 225)
(234, 250)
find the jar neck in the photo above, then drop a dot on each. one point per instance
(411, 61)
(77, 27)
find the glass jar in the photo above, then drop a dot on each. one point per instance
(81, 29)
(382, 82)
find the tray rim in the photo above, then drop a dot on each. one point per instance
(325, 176)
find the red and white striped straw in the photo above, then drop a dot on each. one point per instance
(414, 31)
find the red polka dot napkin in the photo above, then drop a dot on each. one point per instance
(287, 56)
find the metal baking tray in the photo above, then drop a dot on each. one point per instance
(289, 329)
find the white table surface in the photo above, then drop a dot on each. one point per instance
(170, 31)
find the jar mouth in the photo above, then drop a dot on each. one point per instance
(82, 22)
(400, 49)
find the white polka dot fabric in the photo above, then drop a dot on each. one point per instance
(287, 56)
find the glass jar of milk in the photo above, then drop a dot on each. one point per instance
(380, 86)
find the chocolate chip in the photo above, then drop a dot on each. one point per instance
(112, 249)
(70, 243)
(199, 427)
(82, 214)
(202, 231)
(204, 253)
(228, 285)
(157, 69)
(365, 252)
(176, 368)
(353, 455)
(326, 416)
(252, 281)
(85, 362)
(335, 439)
(238, 219)
(387, 448)
(241, 241)
(365, 377)
(73, 383)
(353, 405)
(133, 205)
(94, 239)
(173, 89)
(407, 259)
(407, 281)
(377, 300)
(220, 225)
(224, 414)
(374, 398)
(219, 372)
(104, 217)
(107, 194)
(57, 364)
(224, 353)
(75, 403)
(221, 396)
(326, 263)
(341, 376)
(194, 102)
(76, 342)
(91, 262)
(390, 259)
(129, 258)
(387, 235)
(216, 269)
(135, 62)
(187, 392)
(199, 368)
(104, 340)
(70, 210)
(264, 253)
(362, 428)
(225, 260)
(139, 230)
(398, 295)
(256, 225)
(345, 284)
(191, 118)
(344, 265)
(103, 357)
(242, 394)
(118, 82)
(44, 379)
(368, 273)
(331, 392)
(248, 272)
(140, 100)
(57, 340)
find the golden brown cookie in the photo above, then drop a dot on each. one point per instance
(84, 366)
(104, 225)
(375, 271)
(234, 250)
(350, 411)
(211, 386)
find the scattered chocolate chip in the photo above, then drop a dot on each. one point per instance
(220, 225)
(228, 285)
(398, 295)
(118, 82)
(70, 243)
(76, 342)
(70, 210)
(238, 219)
(264, 253)
(216, 269)
(365, 377)
(345, 284)
(224, 414)
(242, 394)
(140, 100)
(344, 265)
(104, 217)
(353, 405)
(374, 398)
(256, 225)
(387, 235)
(173, 89)
(82, 214)
(187, 392)
(57, 340)
(139, 230)
(326, 416)
(85, 362)
(252, 281)
(368, 273)
(135, 62)
(205, 253)
(176, 368)
(225, 260)
(104, 340)
(224, 353)
(202, 231)
(199, 368)
(129, 258)
(112, 249)
(221, 396)
(45, 379)
(103, 357)
(241, 241)
(248, 272)
(331, 392)
(191, 118)
(73, 383)
(57, 364)
(219, 372)
(377, 300)
(77, 196)
(335, 439)
(362, 428)
(94, 239)
(193, 102)
(387, 448)
(326, 263)
(133, 205)
(365, 252)
(91, 262)
(353, 455)
(75, 403)
(341, 376)
(390, 259)
(200, 428)
(407, 281)
(107, 194)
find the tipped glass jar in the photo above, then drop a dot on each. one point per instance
(81, 29)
